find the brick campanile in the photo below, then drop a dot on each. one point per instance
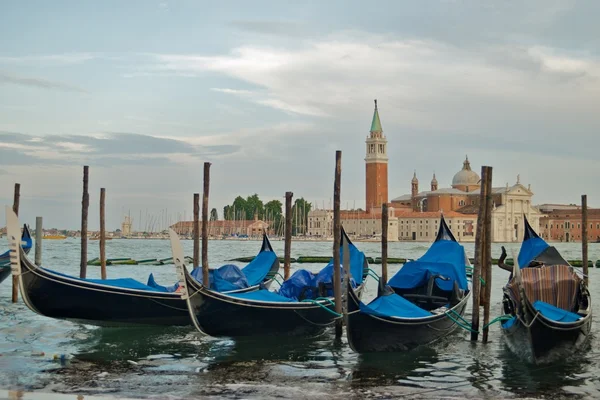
(377, 165)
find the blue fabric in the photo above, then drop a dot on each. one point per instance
(262, 295)
(554, 313)
(197, 275)
(26, 243)
(393, 305)
(292, 288)
(507, 324)
(357, 262)
(126, 283)
(530, 249)
(444, 257)
(257, 270)
(152, 283)
(326, 276)
(228, 277)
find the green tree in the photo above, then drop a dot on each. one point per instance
(254, 205)
(214, 215)
(227, 212)
(239, 207)
(273, 211)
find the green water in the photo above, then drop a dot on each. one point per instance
(179, 363)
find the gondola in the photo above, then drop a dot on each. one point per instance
(420, 304)
(548, 302)
(121, 302)
(303, 306)
(26, 244)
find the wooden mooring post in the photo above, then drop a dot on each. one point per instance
(337, 293)
(206, 182)
(196, 231)
(584, 237)
(39, 234)
(479, 254)
(487, 254)
(384, 244)
(287, 249)
(102, 234)
(15, 278)
(85, 204)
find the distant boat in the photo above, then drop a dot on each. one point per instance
(55, 237)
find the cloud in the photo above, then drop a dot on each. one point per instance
(50, 59)
(426, 81)
(110, 149)
(39, 83)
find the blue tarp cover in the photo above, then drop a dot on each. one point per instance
(554, 313)
(292, 288)
(152, 283)
(126, 283)
(530, 249)
(301, 279)
(262, 295)
(444, 257)
(223, 279)
(258, 268)
(393, 305)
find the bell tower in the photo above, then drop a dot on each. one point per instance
(376, 165)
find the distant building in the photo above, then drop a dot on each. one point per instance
(126, 226)
(562, 223)
(509, 204)
(423, 226)
(250, 228)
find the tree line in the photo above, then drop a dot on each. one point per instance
(271, 211)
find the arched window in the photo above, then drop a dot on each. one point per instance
(461, 203)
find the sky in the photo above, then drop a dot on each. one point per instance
(145, 92)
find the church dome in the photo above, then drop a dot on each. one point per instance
(465, 177)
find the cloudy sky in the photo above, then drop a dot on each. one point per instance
(146, 91)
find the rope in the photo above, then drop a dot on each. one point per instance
(458, 323)
(500, 318)
(369, 271)
(324, 307)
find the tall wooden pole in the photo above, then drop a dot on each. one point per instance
(346, 280)
(85, 204)
(384, 242)
(476, 284)
(205, 223)
(584, 237)
(487, 253)
(15, 278)
(196, 230)
(288, 235)
(337, 293)
(39, 234)
(102, 234)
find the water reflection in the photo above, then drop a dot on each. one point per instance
(518, 376)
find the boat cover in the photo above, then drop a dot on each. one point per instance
(393, 305)
(304, 284)
(444, 257)
(152, 283)
(555, 313)
(126, 283)
(223, 279)
(534, 248)
(301, 283)
(262, 295)
(259, 268)
(556, 285)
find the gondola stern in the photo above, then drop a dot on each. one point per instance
(444, 232)
(183, 275)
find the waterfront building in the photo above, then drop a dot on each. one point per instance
(251, 228)
(562, 223)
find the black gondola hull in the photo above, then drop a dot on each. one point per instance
(4, 273)
(368, 334)
(217, 314)
(542, 340)
(60, 297)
